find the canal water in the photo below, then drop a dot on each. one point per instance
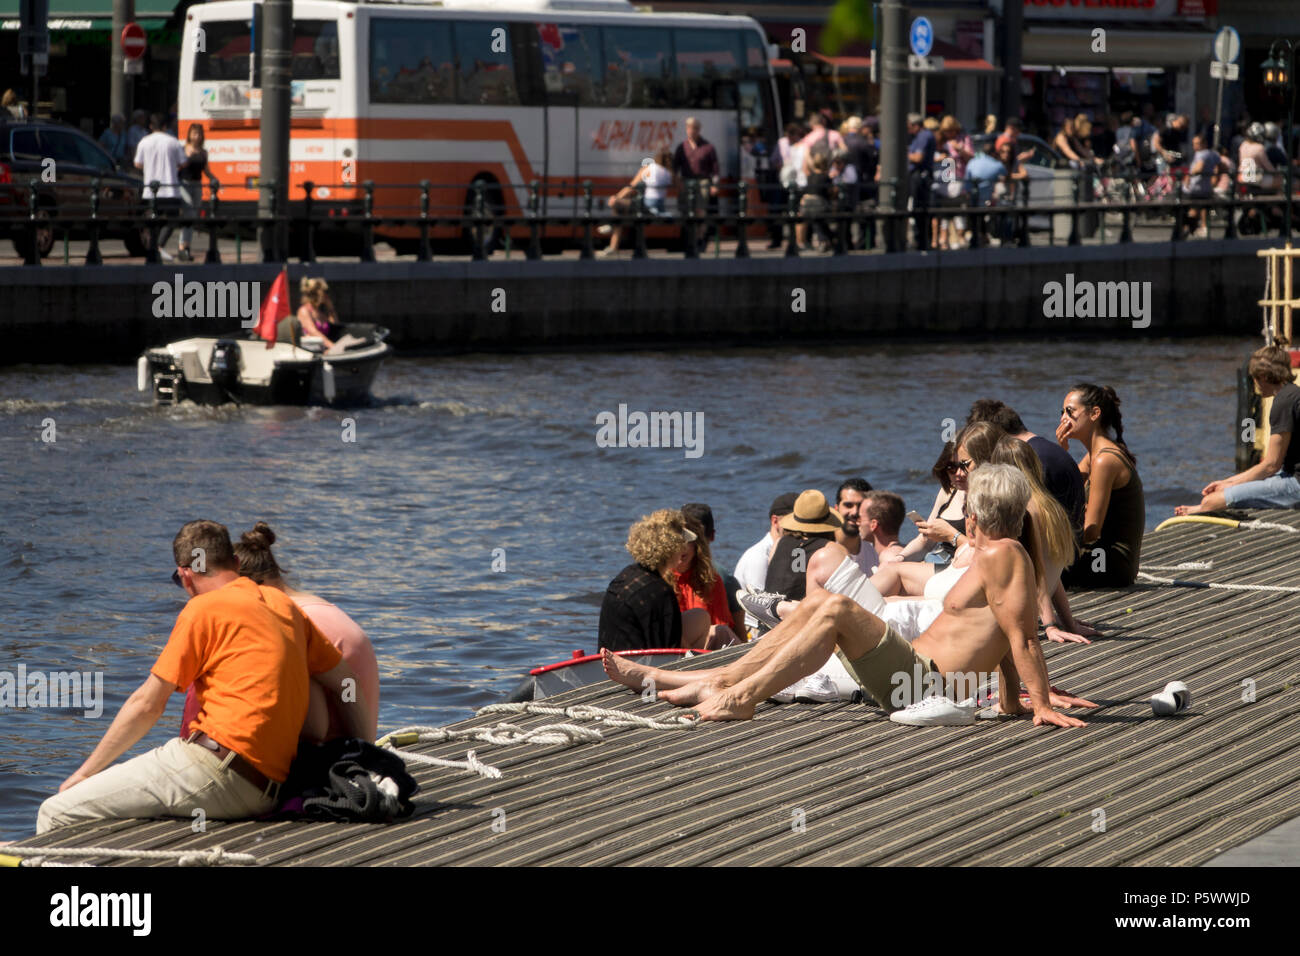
(473, 521)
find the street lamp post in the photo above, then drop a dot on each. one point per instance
(1279, 77)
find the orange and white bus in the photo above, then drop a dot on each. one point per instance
(458, 92)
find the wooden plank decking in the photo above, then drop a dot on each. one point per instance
(1173, 790)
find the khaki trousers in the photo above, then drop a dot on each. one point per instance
(170, 781)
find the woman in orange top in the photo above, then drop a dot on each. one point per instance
(700, 587)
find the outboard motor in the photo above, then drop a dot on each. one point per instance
(223, 367)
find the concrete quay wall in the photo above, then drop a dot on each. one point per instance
(54, 314)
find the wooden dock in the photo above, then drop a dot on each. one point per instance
(840, 784)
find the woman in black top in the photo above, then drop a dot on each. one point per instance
(1273, 483)
(816, 195)
(640, 606)
(191, 177)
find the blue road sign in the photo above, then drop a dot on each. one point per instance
(922, 36)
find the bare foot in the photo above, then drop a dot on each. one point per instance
(623, 671)
(689, 694)
(723, 706)
(1187, 510)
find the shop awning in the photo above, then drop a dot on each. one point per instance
(89, 14)
(1070, 47)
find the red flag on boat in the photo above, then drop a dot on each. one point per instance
(274, 308)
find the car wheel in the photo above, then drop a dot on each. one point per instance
(44, 235)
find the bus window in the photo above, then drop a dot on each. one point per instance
(486, 70)
(411, 61)
(225, 55)
(571, 61)
(315, 50)
(638, 68)
(708, 63)
(755, 55)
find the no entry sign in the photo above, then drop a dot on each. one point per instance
(133, 42)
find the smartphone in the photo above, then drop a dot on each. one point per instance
(915, 516)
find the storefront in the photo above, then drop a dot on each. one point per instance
(1100, 57)
(75, 87)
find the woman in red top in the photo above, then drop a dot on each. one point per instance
(700, 587)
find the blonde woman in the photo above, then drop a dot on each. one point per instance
(316, 314)
(640, 607)
(1056, 543)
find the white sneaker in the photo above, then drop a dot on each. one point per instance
(786, 696)
(936, 712)
(165, 256)
(1174, 698)
(816, 688)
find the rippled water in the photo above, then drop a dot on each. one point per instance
(460, 456)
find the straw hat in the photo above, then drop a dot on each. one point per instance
(811, 514)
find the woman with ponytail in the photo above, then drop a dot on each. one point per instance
(1116, 511)
(1273, 483)
(257, 562)
(1054, 540)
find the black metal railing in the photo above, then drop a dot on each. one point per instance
(493, 216)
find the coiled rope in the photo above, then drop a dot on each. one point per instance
(611, 718)
(501, 734)
(215, 856)
(470, 763)
(1222, 587)
(1185, 566)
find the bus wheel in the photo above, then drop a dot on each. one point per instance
(493, 207)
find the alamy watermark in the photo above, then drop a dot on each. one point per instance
(207, 300)
(1098, 300)
(912, 686)
(626, 429)
(65, 690)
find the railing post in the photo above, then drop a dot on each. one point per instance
(792, 220)
(309, 240)
(478, 252)
(638, 223)
(214, 254)
(93, 258)
(891, 239)
(33, 257)
(1180, 220)
(1126, 222)
(151, 252)
(742, 222)
(588, 252)
(368, 225)
(1230, 231)
(424, 254)
(690, 250)
(534, 226)
(841, 225)
(1075, 238)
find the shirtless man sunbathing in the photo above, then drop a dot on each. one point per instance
(989, 620)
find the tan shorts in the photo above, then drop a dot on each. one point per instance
(892, 672)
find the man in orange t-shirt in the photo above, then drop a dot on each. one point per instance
(251, 655)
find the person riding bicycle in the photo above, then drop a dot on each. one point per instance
(1257, 175)
(1170, 142)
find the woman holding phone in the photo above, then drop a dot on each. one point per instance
(973, 447)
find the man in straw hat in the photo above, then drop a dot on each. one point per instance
(989, 620)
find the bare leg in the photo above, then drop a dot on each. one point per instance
(695, 628)
(834, 621)
(1211, 502)
(634, 675)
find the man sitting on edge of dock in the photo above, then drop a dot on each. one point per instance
(250, 654)
(989, 619)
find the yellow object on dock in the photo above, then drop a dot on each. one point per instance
(1197, 519)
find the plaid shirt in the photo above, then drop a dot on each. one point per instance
(640, 610)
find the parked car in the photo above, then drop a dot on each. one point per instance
(1051, 180)
(62, 188)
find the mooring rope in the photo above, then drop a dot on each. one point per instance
(612, 718)
(471, 763)
(1212, 584)
(501, 734)
(1270, 525)
(215, 856)
(1185, 566)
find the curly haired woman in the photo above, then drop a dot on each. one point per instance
(640, 607)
